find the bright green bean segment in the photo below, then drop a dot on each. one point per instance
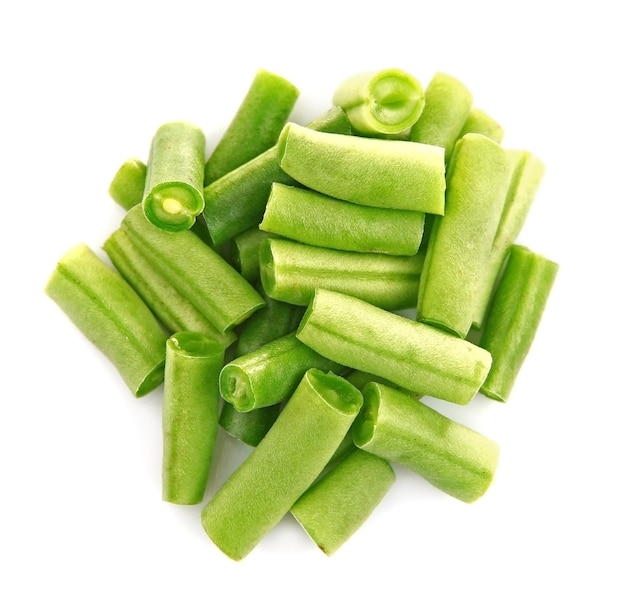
(291, 272)
(313, 218)
(256, 125)
(451, 456)
(415, 356)
(373, 172)
(190, 415)
(513, 319)
(337, 505)
(284, 464)
(174, 180)
(128, 183)
(107, 310)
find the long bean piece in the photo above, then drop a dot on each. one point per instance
(513, 319)
(190, 415)
(415, 356)
(284, 464)
(106, 309)
(451, 456)
(256, 125)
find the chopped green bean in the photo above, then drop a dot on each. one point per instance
(385, 102)
(460, 242)
(415, 356)
(128, 184)
(313, 218)
(284, 464)
(338, 504)
(195, 270)
(236, 201)
(527, 171)
(291, 272)
(449, 455)
(270, 374)
(106, 309)
(245, 252)
(169, 306)
(394, 174)
(174, 180)
(190, 415)
(448, 104)
(256, 125)
(513, 319)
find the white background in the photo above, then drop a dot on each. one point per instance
(84, 85)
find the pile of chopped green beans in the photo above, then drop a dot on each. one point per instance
(266, 288)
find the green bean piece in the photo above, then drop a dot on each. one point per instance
(527, 171)
(393, 174)
(514, 317)
(460, 241)
(313, 218)
(271, 373)
(197, 272)
(274, 321)
(236, 201)
(284, 464)
(256, 125)
(291, 272)
(245, 252)
(164, 300)
(415, 356)
(337, 505)
(106, 309)
(128, 183)
(478, 121)
(173, 193)
(452, 457)
(448, 104)
(385, 102)
(190, 415)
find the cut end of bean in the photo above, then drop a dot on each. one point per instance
(195, 344)
(235, 388)
(365, 423)
(151, 381)
(336, 391)
(173, 207)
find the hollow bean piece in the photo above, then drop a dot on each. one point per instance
(256, 125)
(415, 356)
(448, 104)
(394, 174)
(478, 121)
(385, 102)
(291, 272)
(513, 319)
(284, 464)
(339, 503)
(274, 321)
(527, 171)
(197, 272)
(190, 415)
(128, 183)
(245, 252)
(173, 192)
(460, 242)
(164, 300)
(313, 218)
(271, 373)
(236, 201)
(452, 457)
(106, 309)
